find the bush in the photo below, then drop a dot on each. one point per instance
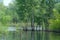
(55, 24)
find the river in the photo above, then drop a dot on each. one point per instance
(28, 35)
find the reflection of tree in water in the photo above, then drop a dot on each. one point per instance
(3, 37)
(55, 34)
(38, 35)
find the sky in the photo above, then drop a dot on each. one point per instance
(6, 2)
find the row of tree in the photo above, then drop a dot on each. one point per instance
(37, 11)
(44, 13)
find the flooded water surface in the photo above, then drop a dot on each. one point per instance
(30, 35)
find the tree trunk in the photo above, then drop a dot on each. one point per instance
(46, 28)
(32, 26)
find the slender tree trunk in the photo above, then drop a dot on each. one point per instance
(39, 36)
(46, 28)
(32, 26)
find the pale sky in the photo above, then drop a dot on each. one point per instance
(6, 2)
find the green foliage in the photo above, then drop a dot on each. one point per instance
(57, 7)
(41, 11)
(26, 8)
(6, 19)
(55, 24)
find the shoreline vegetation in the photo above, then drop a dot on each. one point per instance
(55, 31)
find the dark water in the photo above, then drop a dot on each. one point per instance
(34, 35)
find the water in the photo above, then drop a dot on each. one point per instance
(36, 35)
